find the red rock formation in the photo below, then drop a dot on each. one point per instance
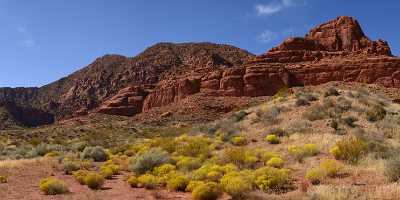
(337, 38)
(165, 73)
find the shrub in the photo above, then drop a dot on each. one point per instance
(375, 113)
(266, 156)
(94, 181)
(311, 149)
(315, 112)
(193, 184)
(207, 191)
(298, 126)
(164, 169)
(189, 163)
(236, 156)
(392, 169)
(349, 121)
(315, 175)
(80, 176)
(133, 181)
(96, 153)
(278, 132)
(275, 162)
(147, 181)
(272, 139)
(106, 172)
(42, 149)
(70, 166)
(3, 179)
(301, 101)
(178, 183)
(331, 167)
(297, 152)
(236, 185)
(331, 91)
(350, 149)
(53, 186)
(194, 146)
(214, 175)
(272, 178)
(239, 140)
(148, 160)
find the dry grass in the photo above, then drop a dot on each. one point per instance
(8, 164)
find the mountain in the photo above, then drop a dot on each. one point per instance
(168, 73)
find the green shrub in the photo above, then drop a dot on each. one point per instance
(178, 183)
(70, 166)
(107, 172)
(315, 112)
(133, 181)
(194, 147)
(311, 149)
(189, 163)
(164, 169)
(207, 191)
(297, 152)
(94, 181)
(53, 186)
(238, 156)
(42, 149)
(331, 91)
(236, 185)
(276, 162)
(80, 176)
(147, 181)
(3, 179)
(375, 113)
(146, 161)
(97, 153)
(331, 167)
(272, 178)
(239, 140)
(315, 175)
(392, 169)
(272, 139)
(350, 149)
(193, 184)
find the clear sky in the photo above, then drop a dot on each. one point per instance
(44, 40)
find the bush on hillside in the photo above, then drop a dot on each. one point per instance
(146, 161)
(350, 149)
(331, 91)
(178, 183)
(97, 153)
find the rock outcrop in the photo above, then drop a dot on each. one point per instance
(167, 73)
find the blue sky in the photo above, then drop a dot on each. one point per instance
(44, 40)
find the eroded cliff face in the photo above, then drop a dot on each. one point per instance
(166, 73)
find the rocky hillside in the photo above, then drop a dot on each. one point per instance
(86, 89)
(167, 73)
